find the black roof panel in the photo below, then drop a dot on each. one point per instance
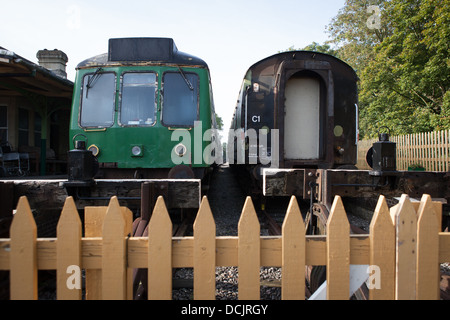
(142, 50)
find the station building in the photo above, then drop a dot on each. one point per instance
(35, 101)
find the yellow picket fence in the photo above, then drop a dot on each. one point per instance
(404, 243)
(430, 150)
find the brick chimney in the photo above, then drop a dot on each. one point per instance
(53, 60)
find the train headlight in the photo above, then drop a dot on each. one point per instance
(180, 149)
(136, 151)
(94, 149)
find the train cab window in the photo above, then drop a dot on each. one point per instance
(97, 101)
(180, 99)
(138, 104)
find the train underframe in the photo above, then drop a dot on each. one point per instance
(320, 186)
(359, 189)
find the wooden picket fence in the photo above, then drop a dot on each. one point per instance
(431, 150)
(404, 242)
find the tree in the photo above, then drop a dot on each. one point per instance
(323, 48)
(219, 122)
(403, 62)
(406, 85)
(317, 47)
(357, 28)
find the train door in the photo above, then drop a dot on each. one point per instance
(302, 119)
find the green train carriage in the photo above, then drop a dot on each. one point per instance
(145, 110)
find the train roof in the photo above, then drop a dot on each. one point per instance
(142, 51)
(276, 59)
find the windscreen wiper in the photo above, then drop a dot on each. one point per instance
(92, 80)
(189, 84)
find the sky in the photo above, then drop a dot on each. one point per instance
(229, 35)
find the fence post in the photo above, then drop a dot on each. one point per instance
(382, 252)
(406, 249)
(204, 253)
(293, 254)
(68, 253)
(93, 223)
(23, 258)
(428, 275)
(338, 252)
(128, 216)
(446, 148)
(160, 253)
(114, 273)
(249, 253)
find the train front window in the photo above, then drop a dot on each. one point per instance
(138, 104)
(97, 100)
(180, 101)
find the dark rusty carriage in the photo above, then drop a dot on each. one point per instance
(307, 102)
(310, 100)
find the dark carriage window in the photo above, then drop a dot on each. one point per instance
(180, 103)
(138, 99)
(97, 101)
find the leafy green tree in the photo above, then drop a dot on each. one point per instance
(219, 122)
(357, 28)
(323, 48)
(402, 60)
(317, 47)
(406, 85)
